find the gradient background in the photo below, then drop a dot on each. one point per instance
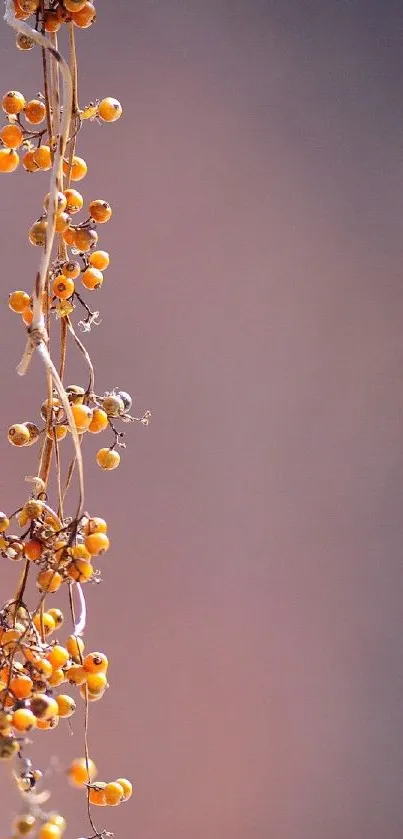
(252, 603)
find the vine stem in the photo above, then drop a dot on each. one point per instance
(37, 335)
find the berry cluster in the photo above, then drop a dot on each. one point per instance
(37, 144)
(51, 15)
(90, 413)
(45, 672)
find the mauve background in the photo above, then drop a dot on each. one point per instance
(252, 603)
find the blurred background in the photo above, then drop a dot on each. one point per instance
(252, 599)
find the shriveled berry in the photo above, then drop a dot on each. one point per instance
(18, 434)
(37, 233)
(85, 239)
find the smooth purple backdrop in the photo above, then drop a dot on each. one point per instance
(252, 598)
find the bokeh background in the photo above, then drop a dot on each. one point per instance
(252, 600)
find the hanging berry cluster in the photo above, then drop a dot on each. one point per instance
(60, 547)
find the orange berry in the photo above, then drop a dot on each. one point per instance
(35, 111)
(92, 278)
(78, 773)
(76, 674)
(9, 160)
(57, 616)
(95, 663)
(4, 522)
(88, 695)
(19, 14)
(21, 686)
(58, 820)
(18, 301)
(113, 793)
(27, 316)
(95, 525)
(74, 5)
(49, 581)
(82, 415)
(63, 287)
(28, 6)
(51, 22)
(108, 459)
(56, 678)
(109, 109)
(80, 552)
(72, 270)
(66, 705)
(44, 707)
(58, 656)
(62, 222)
(18, 434)
(57, 431)
(74, 201)
(78, 168)
(33, 549)
(44, 725)
(23, 719)
(85, 16)
(99, 421)
(43, 158)
(75, 646)
(127, 788)
(28, 162)
(43, 666)
(97, 543)
(61, 202)
(22, 825)
(97, 794)
(80, 570)
(12, 135)
(49, 831)
(37, 233)
(97, 682)
(13, 102)
(100, 211)
(85, 239)
(69, 236)
(45, 622)
(99, 259)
